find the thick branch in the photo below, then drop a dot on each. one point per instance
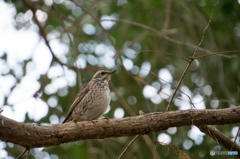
(220, 138)
(31, 136)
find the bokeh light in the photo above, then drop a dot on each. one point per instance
(164, 138)
(118, 113)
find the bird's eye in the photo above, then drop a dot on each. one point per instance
(102, 73)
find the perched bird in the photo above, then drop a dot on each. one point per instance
(93, 98)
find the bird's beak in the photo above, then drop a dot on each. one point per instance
(114, 71)
(110, 73)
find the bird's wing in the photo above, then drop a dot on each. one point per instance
(83, 91)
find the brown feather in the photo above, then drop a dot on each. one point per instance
(83, 91)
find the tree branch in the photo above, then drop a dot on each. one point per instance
(220, 138)
(192, 58)
(44, 35)
(31, 136)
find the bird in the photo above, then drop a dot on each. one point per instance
(93, 98)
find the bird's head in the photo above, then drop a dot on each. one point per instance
(103, 74)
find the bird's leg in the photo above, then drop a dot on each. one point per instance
(89, 119)
(74, 120)
(106, 118)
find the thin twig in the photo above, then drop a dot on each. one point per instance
(235, 138)
(180, 81)
(159, 33)
(203, 37)
(171, 85)
(142, 113)
(216, 54)
(44, 35)
(124, 104)
(28, 153)
(162, 53)
(99, 23)
(22, 153)
(71, 46)
(220, 100)
(154, 142)
(43, 81)
(168, 14)
(192, 58)
(128, 146)
(136, 24)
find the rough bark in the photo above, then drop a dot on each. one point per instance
(220, 138)
(31, 136)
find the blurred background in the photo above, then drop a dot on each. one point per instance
(51, 48)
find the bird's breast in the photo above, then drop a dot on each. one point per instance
(100, 93)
